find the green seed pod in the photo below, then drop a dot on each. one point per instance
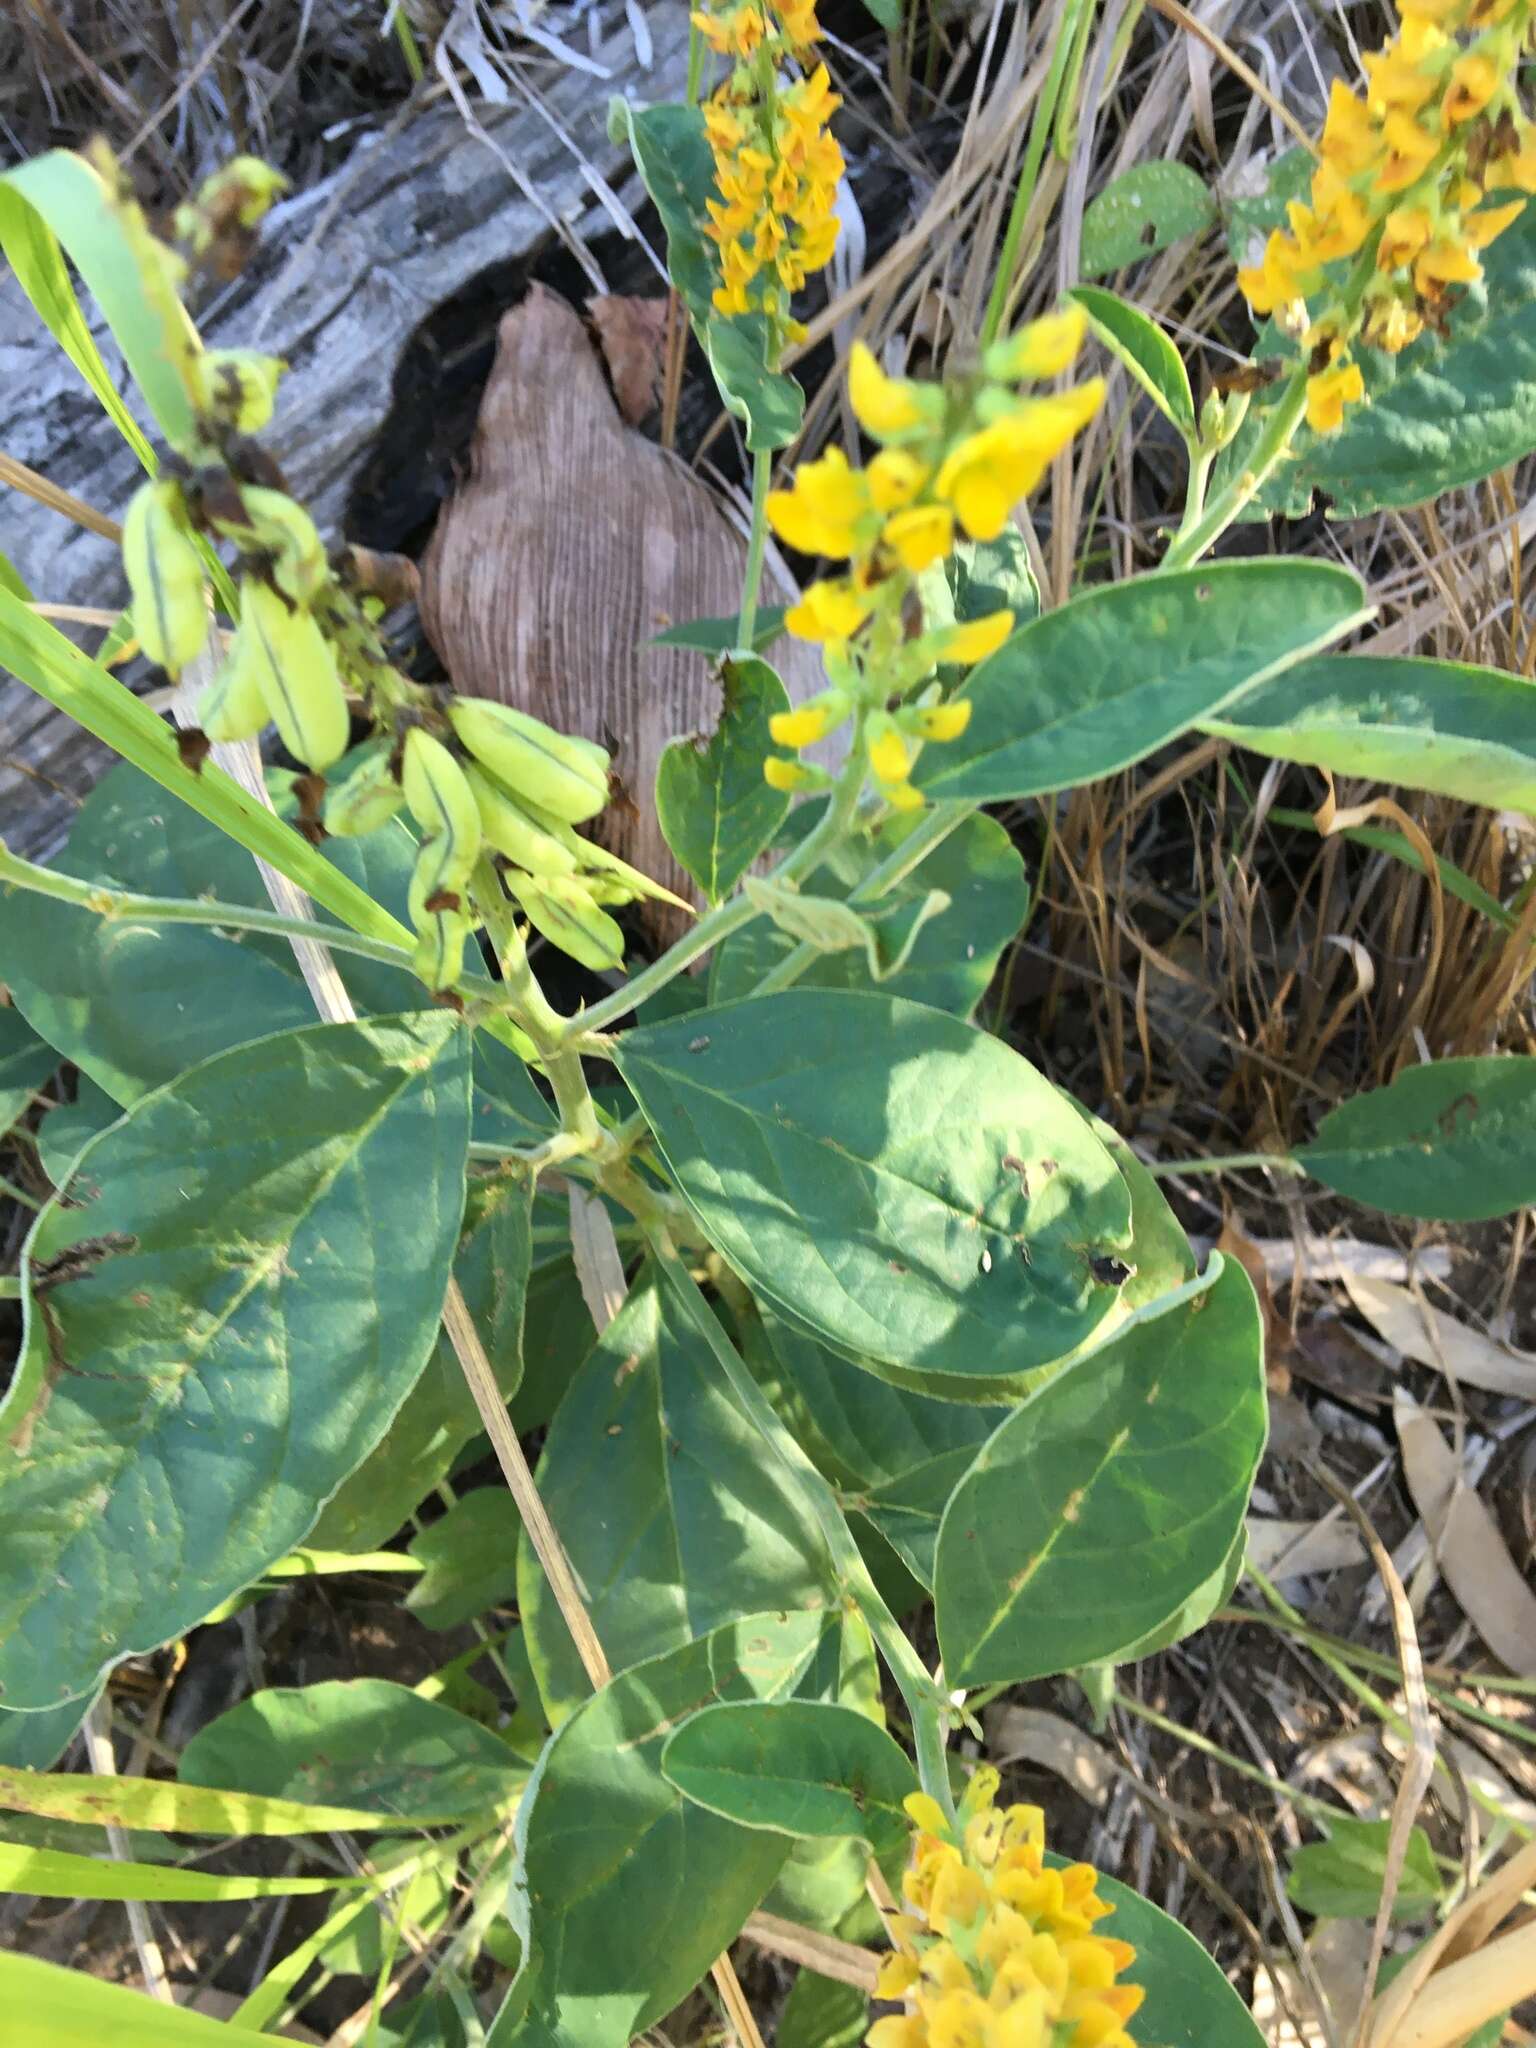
(560, 908)
(237, 387)
(367, 800)
(442, 804)
(296, 671)
(233, 707)
(165, 577)
(509, 829)
(273, 525)
(565, 776)
(439, 955)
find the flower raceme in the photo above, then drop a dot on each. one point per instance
(998, 1951)
(952, 461)
(777, 165)
(1401, 191)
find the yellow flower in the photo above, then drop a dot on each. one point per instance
(974, 641)
(883, 406)
(809, 722)
(1044, 348)
(827, 611)
(822, 513)
(985, 477)
(1349, 134)
(1329, 392)
(920, 535)
(895, 478)
(1474, 81)
(943, 721)
(788, 776)
(1447, 261)
(901, 796)
(892, 762)
(1488, 222)
(1005, 1975)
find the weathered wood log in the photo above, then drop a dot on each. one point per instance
(343, 277)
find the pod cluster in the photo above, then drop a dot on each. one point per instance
(496, 780)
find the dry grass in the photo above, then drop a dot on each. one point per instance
(1201, 964)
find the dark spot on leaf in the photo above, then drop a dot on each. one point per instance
(1202, 592)
(1108, 1270)
(194, 747)
(1149, 235)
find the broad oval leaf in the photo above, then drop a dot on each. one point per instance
(715, 809)
(1141, 345)
(1452, 1141)
(625, 1892)
(1101, 681)
(25, 1064)
(908, 1188)
(35, 1742)
(1343, 1877)
(953, 959)
(1143, 210)
(355, 1742)
(674, 1520)
(1446, 726)
(439, 1415)
(1110, 1495)
(796, 1767)
(469, 1559)
(261, 1249)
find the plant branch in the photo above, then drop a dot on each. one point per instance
(1192, 541)
(762, 476)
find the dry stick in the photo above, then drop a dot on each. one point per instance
(844, 1961)
(98, 1746)
(335, 1006)
(27, 480)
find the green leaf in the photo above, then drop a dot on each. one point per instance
(1250, 218)
(672, 155)
(796, 1767)
(625, 1892)
(439, 1416)
(1189, 2002)
(1147, 353)
(1064, 701)
(772, 405)
(1160, 1252)
(1445, 726)
(822, 2013)
(35, 1742)
(955, 955)
(25, 1064)
(57, 197)
(133, 1004)
(557, 1335)
(65, 1132)
(54, 2008)
(265, 1248)
(861, 1431)
(355, 1742)
(718, 635)
(909, 1509)
(470, 1557)
(1143, 210)
(674, 1521)
(716, 812)
(1143, 1451)
(1342, 1877)
(1453, 1141)
(161, 1804)
(900, 1184)
(56, 1874)
(43, 658)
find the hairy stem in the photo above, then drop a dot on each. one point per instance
(762, 476)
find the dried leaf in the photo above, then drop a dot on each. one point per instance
(1031, 1735)
(571, 543)
(1292, 1549)
(1471, 1553)
(1430, 1337)
(632, 335)
(1233, 1244)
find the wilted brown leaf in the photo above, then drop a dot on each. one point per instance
(572, 542)
(632, 335)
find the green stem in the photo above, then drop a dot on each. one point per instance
(12, 1193)
(1192, 541)
(1029, 172)
(1231, 1162)
(16, 873)
(926, 1702)
(1200, 461)
(695, 65)
(762, 476)
(718, 925)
